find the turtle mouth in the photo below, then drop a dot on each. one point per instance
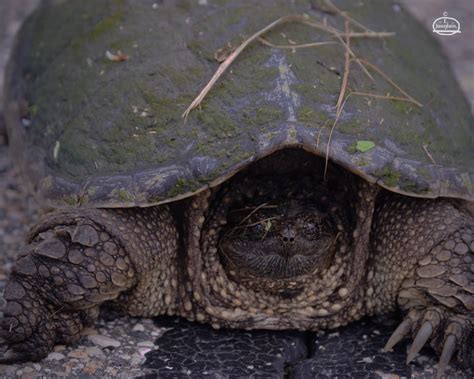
(273, 265)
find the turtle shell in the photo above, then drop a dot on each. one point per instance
(99, 130)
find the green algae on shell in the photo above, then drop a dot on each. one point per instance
(122, 140)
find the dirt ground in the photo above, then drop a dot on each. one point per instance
(118, 345)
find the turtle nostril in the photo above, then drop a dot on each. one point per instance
(290, 239)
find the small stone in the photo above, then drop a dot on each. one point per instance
(138, 328)
(103, 341)
(147, 322)
(94, 351)
(36, 366)
(92, 366)
(7, 370)
(78, 353)
(59, 348)
(384, 375)
(88, 331)
(146, 344)
(55, 357)
(28, 370)
(112, 371)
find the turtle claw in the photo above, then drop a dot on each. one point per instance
(423, 335)
(446, 332)
(400, 333)
(448, 350)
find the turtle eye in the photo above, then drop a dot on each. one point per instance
(311, 229)
(257, 231)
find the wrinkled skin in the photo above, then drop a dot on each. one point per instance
(274, 247)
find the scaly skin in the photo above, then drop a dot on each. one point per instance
(431, 244)
(74, 262)
(393, 251)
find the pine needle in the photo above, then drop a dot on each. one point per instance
(336, 10)
(397, 98)
(425, 148)
(255, 210)
(388, 79)
(294, 47)
(368, 34)
(320, 131)
(345, 76)
(326, 163)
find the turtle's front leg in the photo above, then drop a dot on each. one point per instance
(75, 261)
(423, 261)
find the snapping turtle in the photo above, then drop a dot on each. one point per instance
(232, 218)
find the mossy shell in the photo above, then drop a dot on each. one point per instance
(89, 131)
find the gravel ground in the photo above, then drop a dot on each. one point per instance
(117, 345)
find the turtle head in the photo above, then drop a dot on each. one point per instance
(278, 240)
